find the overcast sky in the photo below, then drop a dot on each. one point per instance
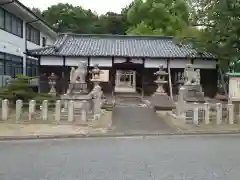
(100, 6)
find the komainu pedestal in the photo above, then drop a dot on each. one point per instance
(192, 88)
(78, 90)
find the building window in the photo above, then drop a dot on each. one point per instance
(33, 35)
(10, 64)
(8, 22)
(1, 18)
(11, 23)
(1, 63)
(32, 67)
(43, 41)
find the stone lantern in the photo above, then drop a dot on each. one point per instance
(160, 99)
(96, 75)
(52, 83)
(96, 72)
(161, 74)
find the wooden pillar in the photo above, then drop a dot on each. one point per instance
(112, 76)
(88, 74)
(143, 74)
(169, 79)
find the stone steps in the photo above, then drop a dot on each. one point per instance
(127, 98)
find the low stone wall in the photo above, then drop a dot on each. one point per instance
(206, 113)
(46, 111)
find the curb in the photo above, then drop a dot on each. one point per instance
(109, 135)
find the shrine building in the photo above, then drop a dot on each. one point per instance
(128, 62)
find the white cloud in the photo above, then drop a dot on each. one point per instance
(99, 6)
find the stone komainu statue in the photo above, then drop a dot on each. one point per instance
(78, 75)
(191, 77)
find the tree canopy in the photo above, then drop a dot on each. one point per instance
(220, 28)
(212, 25)
(69, 18)
(161, 17)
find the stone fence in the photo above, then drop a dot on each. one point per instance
(47, 111)
(207, 113)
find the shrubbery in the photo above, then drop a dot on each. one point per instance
(21, 89)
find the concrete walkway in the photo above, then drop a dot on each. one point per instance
(140, 119)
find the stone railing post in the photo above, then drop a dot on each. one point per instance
(32, 109)
(71, 111)
(219, 113)
(230, 109)
(45, 110)
(5, 109)
(97, 104)
(178, 111)
(195, 113)
(206, 113)
(84, 111)
(65, 105)
(181, 102)
(58, 110)
(19, 105)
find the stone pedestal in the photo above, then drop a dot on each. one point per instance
(161, 101)
(79, 88)
(193, 93)
(76, 98)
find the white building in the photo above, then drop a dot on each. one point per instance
(21, 30)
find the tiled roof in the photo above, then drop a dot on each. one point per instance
(118, 46)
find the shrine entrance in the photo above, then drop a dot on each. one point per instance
(128, 77)
(125, 81)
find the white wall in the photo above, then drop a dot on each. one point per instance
(51, 61)
(102, 62)
(74, 61)
(205, 64)
(11, 44)
(179, 63)
(149, 63)
(154, 63)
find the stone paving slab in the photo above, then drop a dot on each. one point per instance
(137, 120)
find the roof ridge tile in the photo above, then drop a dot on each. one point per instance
(118, 36)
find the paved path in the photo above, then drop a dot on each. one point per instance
(136, 118)
(158, 158)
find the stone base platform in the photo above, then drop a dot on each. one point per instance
(78, 99)
(162, 102)
(193, 93)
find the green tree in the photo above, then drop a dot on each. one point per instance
(69, 18)
(110, 23)
(163, 17)
(219, 22)
(66, 17)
